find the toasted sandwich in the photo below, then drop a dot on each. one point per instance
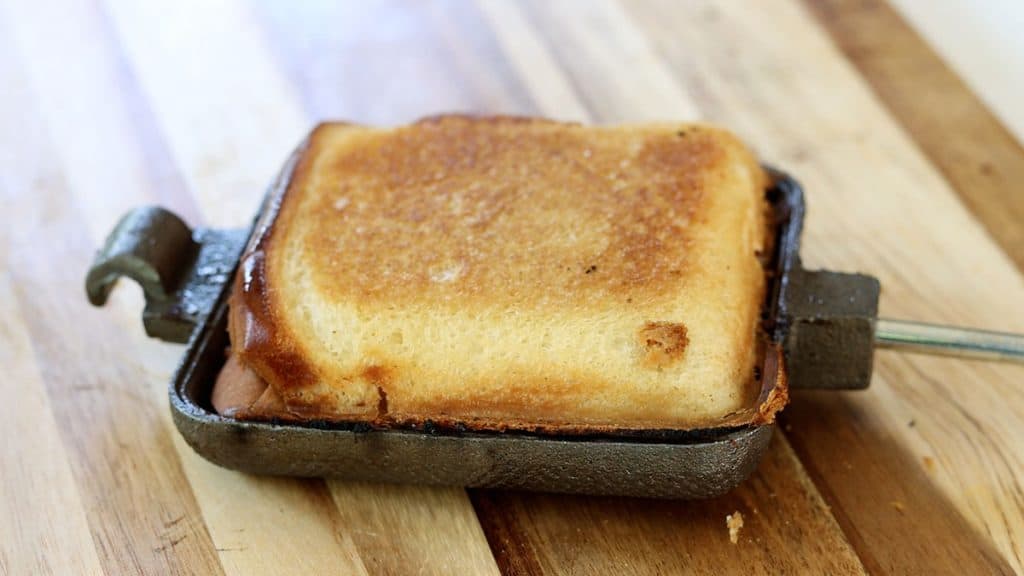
(496, 273)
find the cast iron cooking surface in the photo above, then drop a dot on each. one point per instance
(822, 320)
(658, 463)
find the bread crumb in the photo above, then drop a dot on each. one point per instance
(929, 463)
(898, 506)
(734, 522)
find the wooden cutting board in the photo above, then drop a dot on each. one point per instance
(193, 105)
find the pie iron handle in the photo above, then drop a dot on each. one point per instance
(831, 330)
(182, 271)
(906, 336)
(828, 328)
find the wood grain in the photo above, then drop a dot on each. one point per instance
(391, 61)
(981, 41)
(787, 529)
(109, 104)
(439, 532)
(863, 178)
(965, 141)
(41, 504)
(534, 65)
(138, 505)
(879, 496)
(545, 534)
(610, 63)
(45, 530)
(333, 534)
(228, 508)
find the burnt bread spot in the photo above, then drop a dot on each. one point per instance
(382, 404)
(379, 376)
(662, 343)
(376, 375)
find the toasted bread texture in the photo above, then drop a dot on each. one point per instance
(507, 273)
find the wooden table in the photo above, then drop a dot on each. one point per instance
(193, 105)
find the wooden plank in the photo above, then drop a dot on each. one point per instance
(880, 496)
(553, 534)
(129, 482)
(476, 59)
(963, 139)
(228, 510)
(286, 524)
(271, 525)
(877, 205)
(915, 455)
(439, 531)
(534, 65)
(787, 529)
(981, 41)
(228, 118)
(46, 530)
(607, 53)
(390, 61)
(371, 62)
(106, 118)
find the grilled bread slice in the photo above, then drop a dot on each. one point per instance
(507, 273)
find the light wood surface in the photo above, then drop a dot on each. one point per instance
(193, 105)
(979, 157)
(981, 40)
(787, 530)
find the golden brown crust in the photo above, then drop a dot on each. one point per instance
(455, 213)
(246, 396)
(429, 188)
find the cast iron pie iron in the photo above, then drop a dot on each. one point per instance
(824, 322)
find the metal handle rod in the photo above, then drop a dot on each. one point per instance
(949, 341)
